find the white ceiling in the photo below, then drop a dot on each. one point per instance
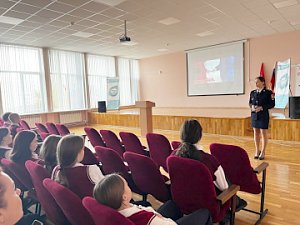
(53, 23)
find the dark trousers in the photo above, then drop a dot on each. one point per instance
(199, 217)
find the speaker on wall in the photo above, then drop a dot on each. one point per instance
(294, 107)
(102, 106)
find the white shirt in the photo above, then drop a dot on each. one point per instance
(157, 220)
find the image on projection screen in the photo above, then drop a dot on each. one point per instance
(216, 70)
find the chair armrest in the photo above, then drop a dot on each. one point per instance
(228, 193)
(261, 167)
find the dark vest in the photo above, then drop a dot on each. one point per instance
(79, 181)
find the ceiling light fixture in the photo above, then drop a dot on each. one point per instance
(286, 3)
(10, 20)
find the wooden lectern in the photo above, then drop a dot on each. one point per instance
(145, 116)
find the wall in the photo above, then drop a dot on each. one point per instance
(164, 78)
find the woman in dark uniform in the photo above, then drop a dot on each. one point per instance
(261, 100)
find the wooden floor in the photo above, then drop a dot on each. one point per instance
(283, 175)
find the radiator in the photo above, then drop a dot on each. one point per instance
(32, 119)
(71, 118)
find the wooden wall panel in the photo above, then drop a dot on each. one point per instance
(285, 129)
(224, 126)
(280, 129)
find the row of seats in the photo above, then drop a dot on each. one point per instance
(145, 178)
(159, 147)
(145, 174)
(47, 129)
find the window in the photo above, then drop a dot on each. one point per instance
(128, 80)
(98, 69)
(67, 80)
(22, 79)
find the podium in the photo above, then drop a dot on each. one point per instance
(145, 116)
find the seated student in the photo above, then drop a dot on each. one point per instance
(69, 172)
(48, 152)
(114, 192)
(25, 143)
(14, 119)
(191, 134)
(10, 201)
(5, 142)
(5, 118)
(11, 211)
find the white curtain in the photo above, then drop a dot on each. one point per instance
(67, 80)
(128, 70)
(22, 83)
(98, 69)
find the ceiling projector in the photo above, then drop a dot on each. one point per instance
(124, 38)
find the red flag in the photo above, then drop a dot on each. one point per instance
(272, 81)
(262, 72)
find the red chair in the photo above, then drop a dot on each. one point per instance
(113, 163)
(19, 129)
(112, 141)
(94, 137)
(238, 170)
(43, 135)
(52, 210)
(132, 143)
(1, 122)
(62, 129)
(52, 128)
(19, 171)
(41, 127)
(103, 215)
(24, 125)
(175, 144)
(192, 188)
(147, 176)
(89, 157)
(69, 203)
(160, 148)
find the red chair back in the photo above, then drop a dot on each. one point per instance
(5, 165)
(193, 188)
(19, 171)
(62, 129)
(69, 203)
(24, 125)
(52, 128)
(237, 167)
(113, 163)
(42, 128)
(43, 135)
(52, 210)
(103, 215)
(94, 137)
(89, 157)
(112, 141)
(175, 144)
(147, 176)
(160, 148)
(132, 143)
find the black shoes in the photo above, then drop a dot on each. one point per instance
(240, 204)
(257, 156)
